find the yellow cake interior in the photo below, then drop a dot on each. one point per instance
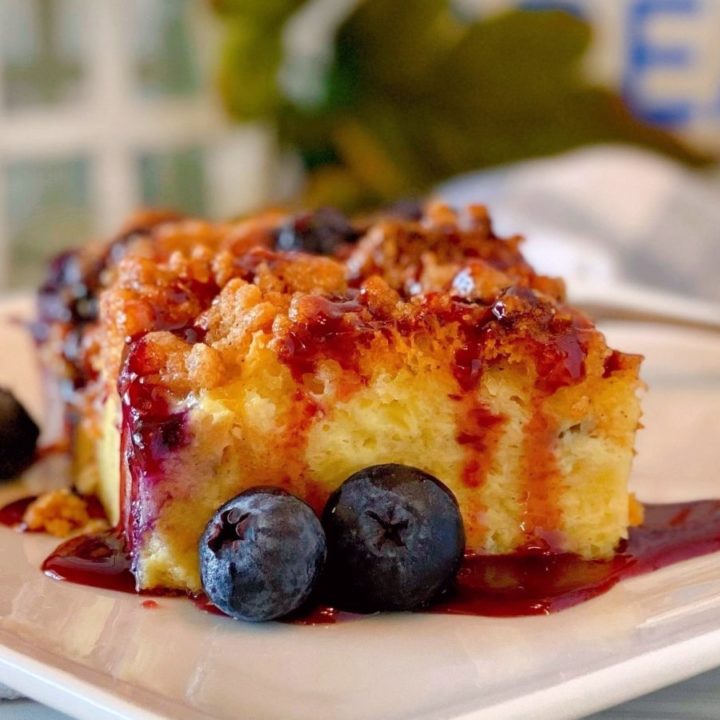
(240, 439)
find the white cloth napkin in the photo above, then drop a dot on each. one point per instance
(608, 213)
(7, 693)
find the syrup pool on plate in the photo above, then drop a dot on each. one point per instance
(530, 583)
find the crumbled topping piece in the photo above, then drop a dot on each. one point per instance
(60, 513)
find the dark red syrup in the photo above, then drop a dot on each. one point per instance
(99, 560)
(316, 614)
(322, 615)
(529, 583)
(46, 451)
(94, 507)
(326, 329)
(13, 513)
(202, 601)
(540, 583)
(150, 430)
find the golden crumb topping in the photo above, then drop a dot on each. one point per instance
(201, 293)
(61, 513)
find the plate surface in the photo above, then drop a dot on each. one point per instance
(98, 654)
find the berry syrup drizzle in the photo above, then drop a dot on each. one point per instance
(99, 560)
(543, 583)
(150, 430)
(530, 583)
(13, 514)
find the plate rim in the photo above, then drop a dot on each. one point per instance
(38, 673)
(595, 691)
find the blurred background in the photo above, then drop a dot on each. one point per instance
(218, 108)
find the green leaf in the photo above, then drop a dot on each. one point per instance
(263, 12)
(249, 66)
(415, 95)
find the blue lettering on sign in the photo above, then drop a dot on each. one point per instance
(568, 7)
(644, 56)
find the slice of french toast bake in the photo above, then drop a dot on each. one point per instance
(195, 360)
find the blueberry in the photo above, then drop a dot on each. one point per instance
(261, 554)
(322, 232)
(406, 209)
(18, 436)
(395, 539)
(69, 293)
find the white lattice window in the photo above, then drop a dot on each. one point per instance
(106, 105)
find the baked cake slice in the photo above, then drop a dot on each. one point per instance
(215, 360)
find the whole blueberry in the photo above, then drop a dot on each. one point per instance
(261, 554)
(395, 539)
(69, 293)
(18, 436)
(321, 232)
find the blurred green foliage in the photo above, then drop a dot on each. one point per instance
(413, 94)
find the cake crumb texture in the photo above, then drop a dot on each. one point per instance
(61, 513)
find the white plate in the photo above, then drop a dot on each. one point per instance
(98, 654)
